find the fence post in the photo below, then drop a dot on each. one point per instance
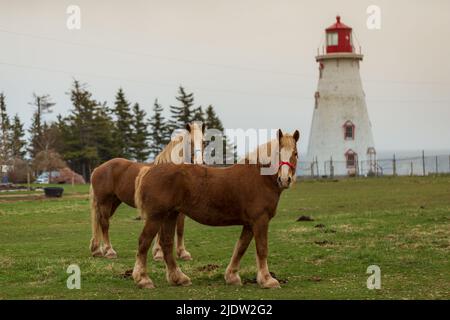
(437, 165)
(412, 169)
(394, 166)
(318, 171)
(423, 162)
(332, 167)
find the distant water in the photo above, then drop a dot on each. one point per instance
(389, 154)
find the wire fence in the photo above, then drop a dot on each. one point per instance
(408, 166)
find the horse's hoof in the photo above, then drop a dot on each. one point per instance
(184, 255)
(270, 283)
(111, 254)
(146, 284)
(233, 279)
(97, 253)
(179, 279)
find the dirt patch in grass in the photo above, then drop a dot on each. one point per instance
(305, 218)
(208, 267)
(127, 274)
(324, 242)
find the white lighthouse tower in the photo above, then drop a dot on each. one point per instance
(341, 140)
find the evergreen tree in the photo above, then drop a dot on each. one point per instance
(123, 130)
(139, 139)
(212, 121)
(5, 126)
(199, 115)
(80, 130)
(159, 130)
(182, 115)
(18, 142)
(43, 105)
(104, 134)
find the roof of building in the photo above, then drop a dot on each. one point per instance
(338, 25)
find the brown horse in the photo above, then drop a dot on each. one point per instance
(237, 195)
(113, 182)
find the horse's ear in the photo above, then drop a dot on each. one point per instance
(188, 127)
(279, 134)
(296, 135)
(203, 127)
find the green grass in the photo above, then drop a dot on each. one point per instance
(400, 224)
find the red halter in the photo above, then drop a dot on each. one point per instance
(284, 163)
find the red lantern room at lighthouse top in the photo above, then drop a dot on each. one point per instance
(339, 38)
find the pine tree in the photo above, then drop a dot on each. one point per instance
(18, 142)
(139, 139)
(199, 115)
(122, 133)
(80, 130)
(212, 121)
(43, 105)
(5, 126)
(104, 134)
(159, 130)
(182, 115)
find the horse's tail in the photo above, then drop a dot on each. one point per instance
(95, 220)
(138, 191)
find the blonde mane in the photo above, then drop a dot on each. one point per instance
(165, 156)
(174, 152)
(263, 154)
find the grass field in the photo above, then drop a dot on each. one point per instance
(400, 224)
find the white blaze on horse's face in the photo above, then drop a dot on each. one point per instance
(196, 135)
(288, 159)
(285, 173)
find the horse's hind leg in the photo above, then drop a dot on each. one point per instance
(109, 210)
(157, 251)
(140, 275)
(95, 245)
(231, 273)
(174, 274)
(182, 253)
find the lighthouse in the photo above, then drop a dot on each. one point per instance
(341, 140)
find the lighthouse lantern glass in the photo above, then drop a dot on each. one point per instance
(332, 39)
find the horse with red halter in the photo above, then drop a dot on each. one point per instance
(113, 182)
(237, 195)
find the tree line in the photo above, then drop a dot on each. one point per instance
(92, 132)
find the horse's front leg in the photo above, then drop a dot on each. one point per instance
(182, 253)
(231, 273)
(260, 230)
(174, 274)
(140, 275)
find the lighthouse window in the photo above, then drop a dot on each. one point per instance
(349, 131)
(332, 39)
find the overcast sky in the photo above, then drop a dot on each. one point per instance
(252, 59)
